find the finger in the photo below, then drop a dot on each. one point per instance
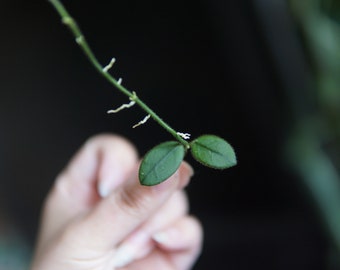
(74, 192)
(127, 207)
(139, 244)
(105, 161)
(182, 241)
(176, 247)
(119, 160)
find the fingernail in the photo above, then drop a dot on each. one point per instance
(190, 169)
(165, 237)
(187, 172)
(130, 250)
(102, 190)
(108, 183)
(161, 237)
(123, 256)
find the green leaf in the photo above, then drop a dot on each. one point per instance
(213, 151)
(161, 162)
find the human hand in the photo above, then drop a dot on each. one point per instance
(98, 216)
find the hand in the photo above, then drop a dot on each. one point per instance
(98, 216)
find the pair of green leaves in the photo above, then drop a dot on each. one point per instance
(164, 159)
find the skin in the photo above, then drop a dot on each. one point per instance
(97, 216)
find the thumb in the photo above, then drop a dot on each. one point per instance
(103, 158)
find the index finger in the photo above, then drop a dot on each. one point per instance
(127, 207)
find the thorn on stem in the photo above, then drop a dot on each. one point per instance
(134, 96)
(80, 39)
(67, 20)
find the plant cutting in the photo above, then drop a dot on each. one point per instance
(159, 163)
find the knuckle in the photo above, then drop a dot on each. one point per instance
(135, 203)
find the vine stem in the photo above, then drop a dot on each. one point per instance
(81, 41)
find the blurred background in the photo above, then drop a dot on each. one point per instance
(263, 74)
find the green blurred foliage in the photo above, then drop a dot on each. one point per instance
(319, 24)
(314, 146)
